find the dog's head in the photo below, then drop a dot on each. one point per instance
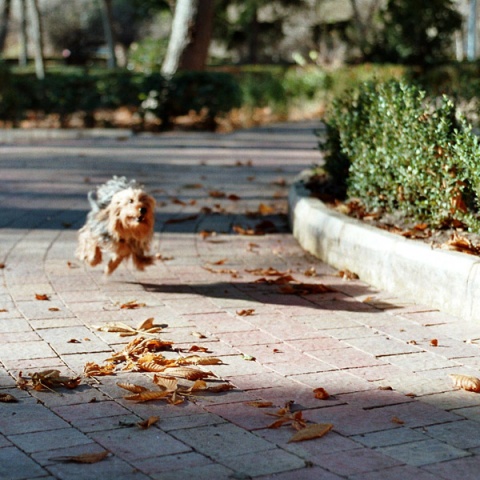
(132, 214)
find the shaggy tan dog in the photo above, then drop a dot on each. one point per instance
(121, 222)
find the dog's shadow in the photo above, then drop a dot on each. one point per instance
(271, 294)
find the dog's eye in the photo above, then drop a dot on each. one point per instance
(131, 200)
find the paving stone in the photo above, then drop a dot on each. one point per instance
(462, 434)
(203, 472)
(396, 473)
(263, 463)
(222, 441)
(395, 436)
(357, 461)
(15, 465)
(25, 417)
(49, 440)
(424, 452)
(134, 443)
(349, 342)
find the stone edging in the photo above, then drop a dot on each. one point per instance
(444, 280)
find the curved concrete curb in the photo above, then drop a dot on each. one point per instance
(448, 281)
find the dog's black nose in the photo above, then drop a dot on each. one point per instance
(142, 210)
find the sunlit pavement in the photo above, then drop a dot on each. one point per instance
(230, 278)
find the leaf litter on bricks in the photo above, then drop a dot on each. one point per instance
(304, 430)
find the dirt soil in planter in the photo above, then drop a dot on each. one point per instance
(454, 238)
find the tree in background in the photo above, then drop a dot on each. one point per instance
(37, 39)
(107, 20)
(4, 20)
(417, 32)
(252, 29)
(190, 36)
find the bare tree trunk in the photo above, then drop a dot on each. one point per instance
(183, 20)
(23, 55)
(195, 54)
(37, 39)
(106, 7)
(4, 20)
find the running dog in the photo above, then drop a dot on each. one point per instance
(121, 221)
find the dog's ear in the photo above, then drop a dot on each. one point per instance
(112, 216)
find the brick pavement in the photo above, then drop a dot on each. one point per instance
(394, 409)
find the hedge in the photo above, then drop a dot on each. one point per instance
(397, 150)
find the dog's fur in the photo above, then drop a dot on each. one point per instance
(121, 221)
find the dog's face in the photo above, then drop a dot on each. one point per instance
(132, 212)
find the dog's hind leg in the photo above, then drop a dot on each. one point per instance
(142, 261)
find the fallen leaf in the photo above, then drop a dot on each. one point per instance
(148, 422)
(131, 387)
(148, 396)
(265, 209)
(198, 335)
(397, 421)
(53, 309)
(7, 398)
(42, 297)
(92, 369)
(133, 304)
(347, 275)
(259, 404)
(245, 312)
(47, 380)
(74, 340)
(217, 194)
(321, 393)
(285, 416)
(206, 233)
(434, 342)
(188, 373)
(84, 458)
(196, 348)
(198, 360)
(466, 382)
(317, 430)
(169, 384)
(461, 244)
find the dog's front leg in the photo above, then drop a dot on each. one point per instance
(114, 262)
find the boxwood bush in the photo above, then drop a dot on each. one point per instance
(397, 150)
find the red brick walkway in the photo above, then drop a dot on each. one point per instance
(394, 410)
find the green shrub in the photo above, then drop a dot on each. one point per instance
(213, 92)
(396, 150)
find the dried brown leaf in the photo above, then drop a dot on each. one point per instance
(321, 393)
(7, 398)
(259, 404)
(148, 396)
(198, 360)
(188, 373)
(42, 297)
(466, 382)
(131, 387)
(133, 304)
(84, 458)
(148, 422)
(310, 432)
(167, 383)
(197, 348)
(92, 369)
(247, 312)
